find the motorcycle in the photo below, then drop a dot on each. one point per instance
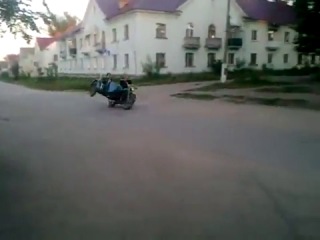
(125, 97)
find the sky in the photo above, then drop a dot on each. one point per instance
(11, 45)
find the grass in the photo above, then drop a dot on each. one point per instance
(82, 84)
(178, 78)
(243, 79)
(54, 85)
(204, 97)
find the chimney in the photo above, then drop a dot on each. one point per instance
(123, 3)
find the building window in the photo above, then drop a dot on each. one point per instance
(231, 58)
(313, 59)
(286, 37)
(212, 31)
(95, 39)
(161, 31)
(55, 57)
(253, 59)
(270, 58)
(126, 32)
(81, 63)
(115, 61)
(300, 59)
(114, 35)
(270, 36)
(161, 60)
(103, 37)
(87, 40)
(81, 43)
(211, 59)
(126, 60)
(285, 58)
(189, 60)
(254, 35)
(189, 30)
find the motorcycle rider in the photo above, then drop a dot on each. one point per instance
(113, 88)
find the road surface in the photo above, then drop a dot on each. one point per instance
(72, 169)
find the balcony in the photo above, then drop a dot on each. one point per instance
(85, 50)
(235, 43)
(213, 43)
(100, 47)
(191, 43)
(273, 45)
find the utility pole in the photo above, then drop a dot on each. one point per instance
(224, 67)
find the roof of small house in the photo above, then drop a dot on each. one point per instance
(44, 42)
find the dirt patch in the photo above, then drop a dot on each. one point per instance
(281, 102)
(194, 96)
(294, 103)
(313, 89)
(239, 85)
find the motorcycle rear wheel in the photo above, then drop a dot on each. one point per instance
(93, 90)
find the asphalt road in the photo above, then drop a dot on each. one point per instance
(72, 169)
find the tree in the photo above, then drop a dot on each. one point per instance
(308, 15)
(15, 70)
(60, 24)
(18, 16)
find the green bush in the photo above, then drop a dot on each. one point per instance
(216, 67)
(150, 68)
(5, 75)
(15, 71)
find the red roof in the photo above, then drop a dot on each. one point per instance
(44, 42)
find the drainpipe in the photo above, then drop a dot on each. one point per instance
(224, 68)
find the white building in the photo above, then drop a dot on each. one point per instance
(45, 54)
(26, 61)
(118, 36)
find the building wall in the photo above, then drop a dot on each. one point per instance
(96, 63)
(26, 65)
(43, 58)
(142, 40)
(259, 46)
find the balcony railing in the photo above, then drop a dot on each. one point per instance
(273, 45)
(100, 47)
(85, 50)
(235, 43)
(213, 43)
(191, 42)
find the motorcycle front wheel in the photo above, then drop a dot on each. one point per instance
(129, 104)
(111, 104)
